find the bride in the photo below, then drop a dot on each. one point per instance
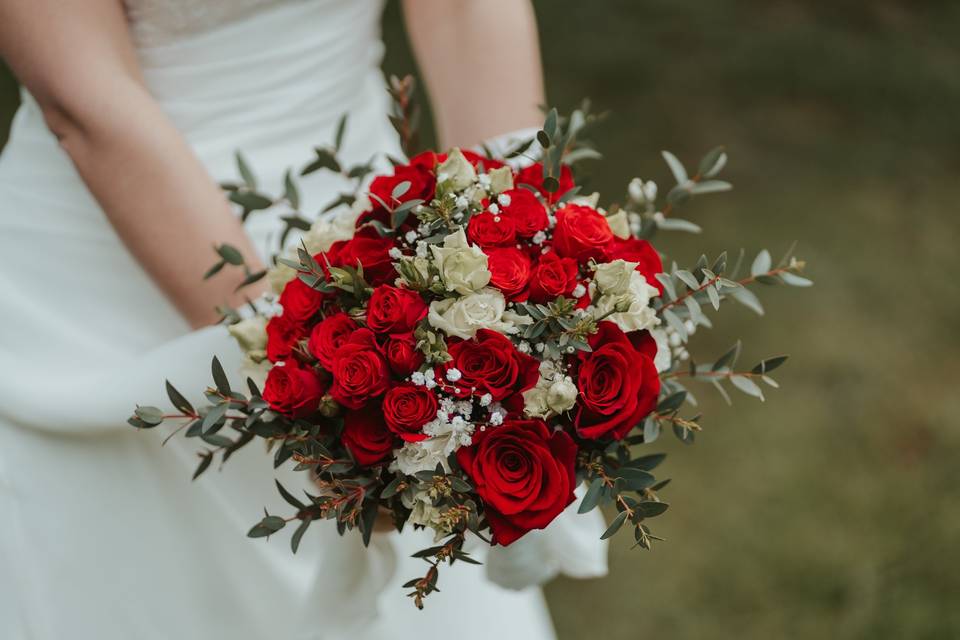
(109, 206)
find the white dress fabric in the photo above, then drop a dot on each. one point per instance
(104, 536)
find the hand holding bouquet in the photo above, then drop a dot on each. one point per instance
(471, 343)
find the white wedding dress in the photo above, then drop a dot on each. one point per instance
(103, 535)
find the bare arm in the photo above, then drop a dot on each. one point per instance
(75, 57)
(481, 63)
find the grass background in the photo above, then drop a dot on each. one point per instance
(833, 509)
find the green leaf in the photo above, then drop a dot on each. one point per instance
(710, 186)
(672, 402)
(290, 190)
(687, 278)
(230, 254)
(651, 508)
(676, 224)
(461, 485)
(794, 280)
(178, 400)
(250, 200)
(748, 299)
(714, 297)
(298, 534)
(289, 497)
(592, 497)
(400, 189)
(674, 321)
(761, 264)
(747, 385)
(219, 377)
(251, 278)
(149, 416)
(215, 269)
(676, 167)
(214, 417)
(648, 462)
(324, 160)
(245, 173)
(768, 365)
(729, 358)
(268, 526)
(615, 525)
(686, 436)
(550, 123)
(712, 162)
(341, 131)
(205, 460)
(651, 430)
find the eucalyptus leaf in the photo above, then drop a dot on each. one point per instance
(676, 167)
(761, 264)
(747, 386)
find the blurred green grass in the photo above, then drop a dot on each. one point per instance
(833, 509)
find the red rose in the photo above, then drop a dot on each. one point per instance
(509, 271)
(526, 211)
(328, 335)
(618, 383)
(366, 436)
(422, 183)
(300, 302)
(533, 176)
(523, 472)
(370, 250)
(489, 363)
(292, 389)
(406, 408)
(641, 252)
(478, 160)
(489, 230)
(394, 310)
(553, 276)
(282, 337)
(431, 159)
(402, 354)
(359, 370)
(581, 233)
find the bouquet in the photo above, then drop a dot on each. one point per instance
(471, 342)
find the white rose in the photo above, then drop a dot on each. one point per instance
(639, 315)
(619, 224)
(423, 512)
(456, 171)
(662, 361)
(463, 268)
(562, 394)
(255, 369)
(535, 402)
(591, 200)
(421, 456)
(614, 278)
(501, 179)
(323, 233)
(463, 317)
(250, 333)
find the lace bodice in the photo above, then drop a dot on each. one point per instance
(156, 22)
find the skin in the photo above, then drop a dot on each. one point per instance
(77, 59)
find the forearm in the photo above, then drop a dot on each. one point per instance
(76, 58)
(481, 63)
(159, 198)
